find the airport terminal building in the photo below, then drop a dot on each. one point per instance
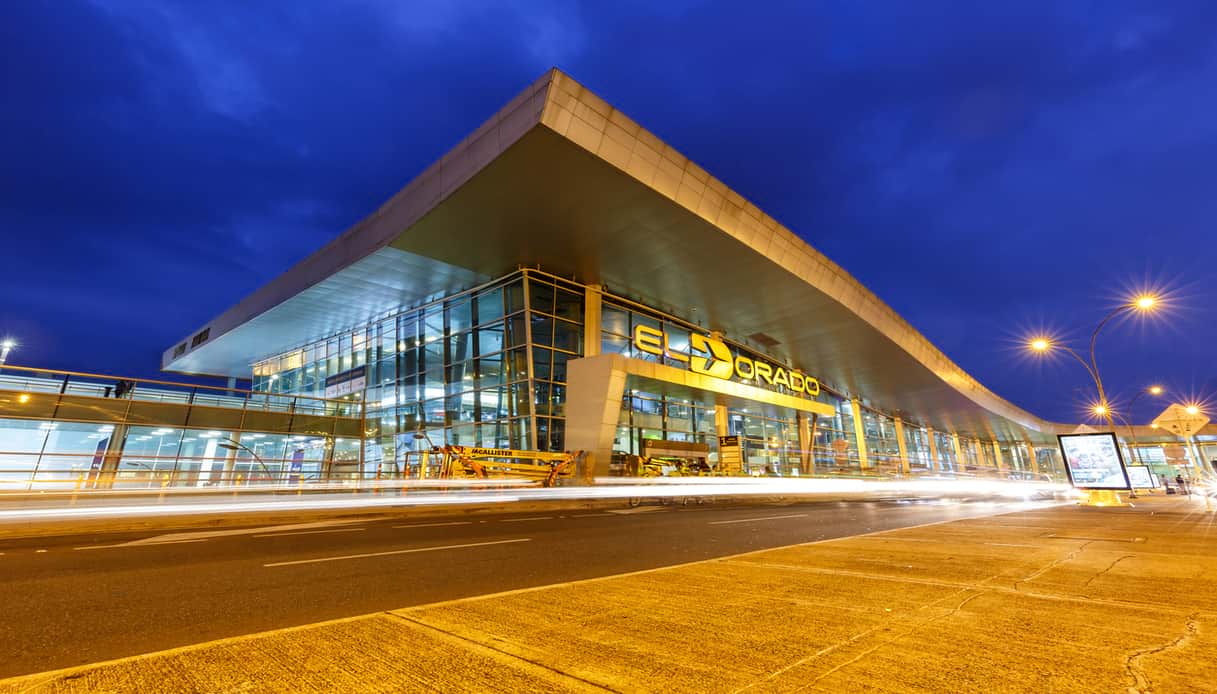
(563, 280)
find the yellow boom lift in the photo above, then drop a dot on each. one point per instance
(464, 462)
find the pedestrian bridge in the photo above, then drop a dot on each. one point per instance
(67, 430)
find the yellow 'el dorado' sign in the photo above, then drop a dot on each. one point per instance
(712, 357)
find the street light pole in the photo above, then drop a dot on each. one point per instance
(1152, 390)
(232, 445)
(1144, 302)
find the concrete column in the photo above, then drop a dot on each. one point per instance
(807, 460)
(960, 462)
(904, 453)
(591, 320)
(228, 475)
(997, 460)
(721, 428)
(112, 457)
(935, 462)
(594, 388)
(859, 435)
(1035, 466)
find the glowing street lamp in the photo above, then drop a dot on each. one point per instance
(6, 346)
(1141, 303)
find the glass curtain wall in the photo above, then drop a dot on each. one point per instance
(835, 444)
(882, 446)
(917, 445)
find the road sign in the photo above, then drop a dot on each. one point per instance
(1178, 421)
(730, 454)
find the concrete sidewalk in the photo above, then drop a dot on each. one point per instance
(1053, 600)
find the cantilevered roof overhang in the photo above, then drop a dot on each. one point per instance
(561, 180)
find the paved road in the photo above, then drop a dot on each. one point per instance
(72, 600)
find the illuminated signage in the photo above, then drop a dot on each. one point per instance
(712, 357)
(1093, 461)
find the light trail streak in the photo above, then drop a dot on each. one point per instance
(433, 493)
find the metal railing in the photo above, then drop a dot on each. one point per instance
(31, 381)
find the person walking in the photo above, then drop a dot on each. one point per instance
(1182, 485)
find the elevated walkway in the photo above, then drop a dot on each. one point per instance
(65, 429)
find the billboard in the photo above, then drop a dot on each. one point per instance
(345, 383)
(1093, 461)
(1141, 477)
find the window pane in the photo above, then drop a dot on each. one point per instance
(614, 320)
(542, 398)
(558, 373)
(542, 329)
(513, 296)
(490, 306)
(569, 305)
(540, 362)
(490, 338)
(516, 334)
(541, 296)
(569, 336)
(460, 316)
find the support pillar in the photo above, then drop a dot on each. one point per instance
(228, 474)
(721, 428)
(997, 459)
(960, 462)
(807, 460)
(595, 387)
(904, 453)
(1031, 457)
(859, 435)
(591, 319)
(111, 458)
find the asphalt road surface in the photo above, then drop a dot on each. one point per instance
(68, 601)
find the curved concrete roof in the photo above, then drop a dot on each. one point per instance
(560, 179)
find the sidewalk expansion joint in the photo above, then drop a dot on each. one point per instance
(444, 633)
(983, 586)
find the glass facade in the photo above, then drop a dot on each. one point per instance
(485, 367)
(70, 431)
(488, 367)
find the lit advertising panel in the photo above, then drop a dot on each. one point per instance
(1093, 461)
(1141, 477)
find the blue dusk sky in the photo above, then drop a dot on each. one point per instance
(989, 169)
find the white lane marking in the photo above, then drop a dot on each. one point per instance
(313, 532)
(395, 551)
(39, 551)
(521, 520)
(142, 544)
(757, 520)
(207, 534)
(433, 525)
